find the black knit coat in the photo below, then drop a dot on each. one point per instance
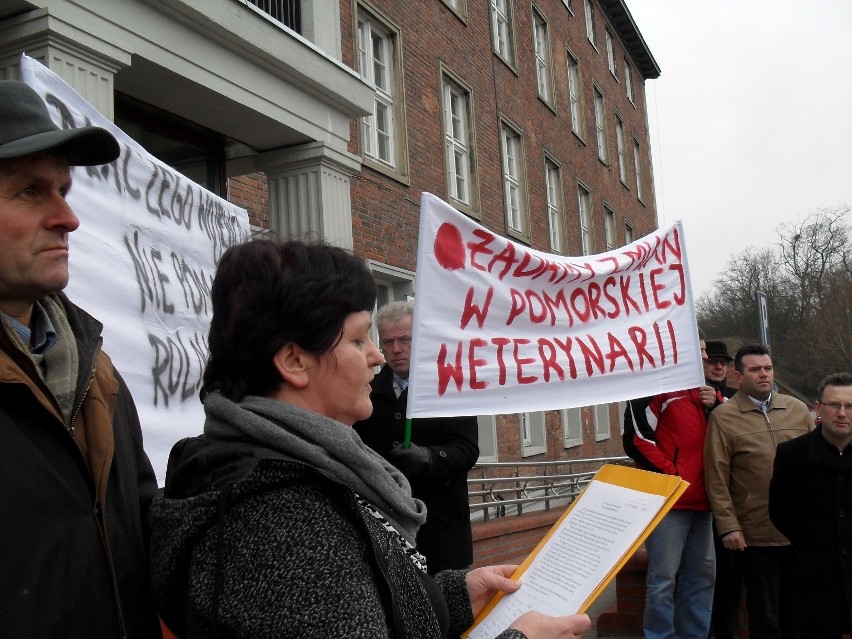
(249, 546)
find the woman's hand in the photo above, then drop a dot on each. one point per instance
(537, 625)
(484, 583)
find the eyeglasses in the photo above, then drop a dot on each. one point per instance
(837, 406)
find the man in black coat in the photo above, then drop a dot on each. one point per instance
(810, 502)
(75, 483)
(442, 451)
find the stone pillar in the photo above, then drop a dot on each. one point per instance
(87, 64)
(309, 192)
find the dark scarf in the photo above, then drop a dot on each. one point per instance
(332, 448)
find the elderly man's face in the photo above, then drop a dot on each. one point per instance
(35, 221)
(395, 342)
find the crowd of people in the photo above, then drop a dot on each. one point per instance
(283, 518)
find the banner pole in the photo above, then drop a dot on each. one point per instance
(406, 442)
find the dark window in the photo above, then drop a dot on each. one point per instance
(192, 150)
(287, 12)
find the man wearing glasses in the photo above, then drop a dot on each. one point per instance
(442, 449)
(810, 501)
(742, 435)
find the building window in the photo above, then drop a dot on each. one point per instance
(584, 198)
(458, 141)
(378, 50)
(502, 30)
(622, 406)
(600, 125)
(574, 94)
(602, 431)
(590, 21)
(572, 426)
(619, 145)
(628, 80)
(514, 200)
(488, 451)
(553, 187)
(637, 163)
(287, 12)
(609, 228)
(533, 434)
(393, 284)
(628, 233)
(541, 44)
(610, 54)
(458, 6)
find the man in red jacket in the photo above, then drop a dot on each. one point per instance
(665, 434)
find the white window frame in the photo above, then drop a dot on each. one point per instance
(584, 202)
(575, 94)
(572, 427)
(459, 7)
(610, 55)
(628, 81)
(622, 405)
(379, 71)
(619, 146)
(393, 284)
(600, 124)
(637, 163)
(488, 444)
(628, 233)
(514, 197)
(502, 30)
(588, 11)
(533, 433)
(541, 47)
(458, 142)
(553, 195)
(609, 228)
(602, 422)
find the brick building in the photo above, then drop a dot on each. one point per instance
(529, 117)
(330, 117)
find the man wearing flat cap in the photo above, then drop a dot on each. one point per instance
(75, 482)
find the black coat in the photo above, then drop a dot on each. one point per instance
(61, 541)
(810, 502)
(445, 539)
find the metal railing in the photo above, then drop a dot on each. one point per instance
(509, 488)
(287, 12)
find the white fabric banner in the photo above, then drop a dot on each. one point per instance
(503, 328)
(142, 262)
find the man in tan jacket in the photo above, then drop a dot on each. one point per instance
(739, 452)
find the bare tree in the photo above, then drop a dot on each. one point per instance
(807, 278)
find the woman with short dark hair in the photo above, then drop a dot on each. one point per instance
(278, 520)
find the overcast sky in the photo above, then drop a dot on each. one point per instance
(751, 119)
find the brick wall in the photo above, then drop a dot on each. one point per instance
(434, 38)
(250, 192)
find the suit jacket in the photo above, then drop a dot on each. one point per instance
(445, 538)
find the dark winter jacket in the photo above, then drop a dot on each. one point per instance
(72, 527)
(810, 502)
(665, 434)
(453, 446)
(248, 543)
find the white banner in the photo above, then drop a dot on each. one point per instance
(142, 262)
(503, 328)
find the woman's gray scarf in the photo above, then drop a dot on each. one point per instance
(329, 446)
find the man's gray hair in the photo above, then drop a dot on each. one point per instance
(394, 312)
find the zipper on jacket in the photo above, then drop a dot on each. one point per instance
(769, 428)
(85, 392)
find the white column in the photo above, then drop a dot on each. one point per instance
(65, 50)
(309, 194)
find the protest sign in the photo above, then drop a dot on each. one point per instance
(142, 262)
(500, 327)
